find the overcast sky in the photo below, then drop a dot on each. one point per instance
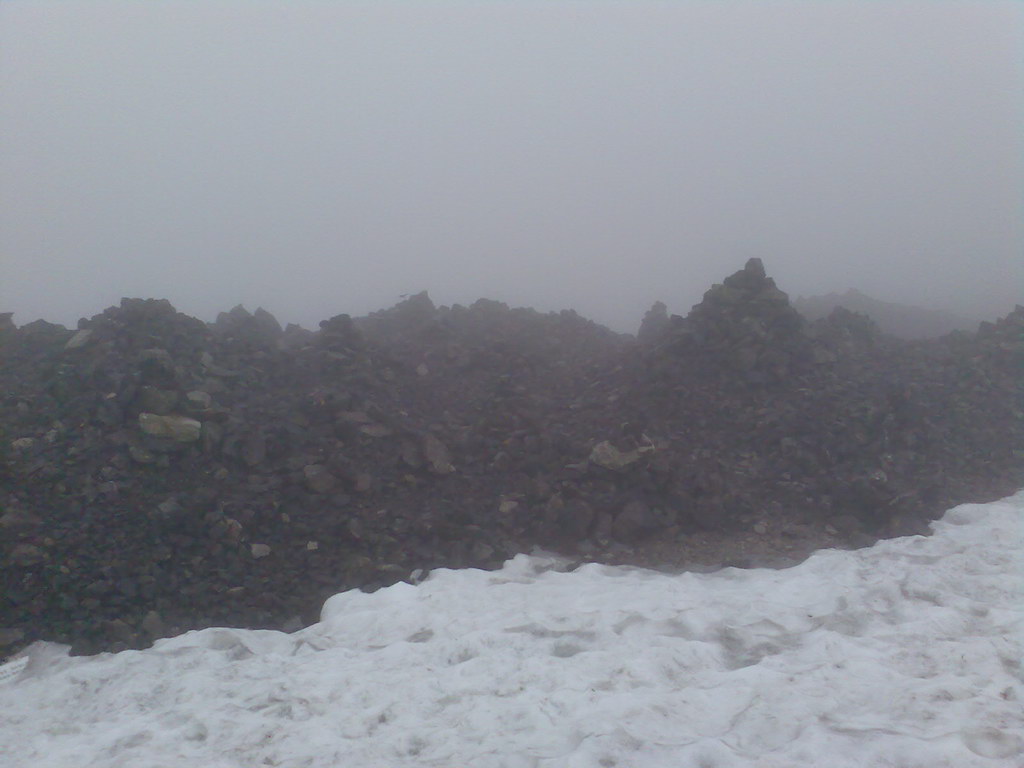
(325, 157)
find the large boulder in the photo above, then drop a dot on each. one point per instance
(182, 429)
(654, 324)
(746, 325)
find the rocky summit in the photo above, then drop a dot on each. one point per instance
(158, 473)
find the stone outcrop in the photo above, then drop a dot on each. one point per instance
(158, 473)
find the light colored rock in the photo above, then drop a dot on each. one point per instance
(259, 550)
(436, 453)
(215, 370)
(606, 455)
(481, 551)
(507, 506)
(199, 400)
(180, 428)
(80, 339)
(23, 443)
(169, 507)
(375, 430)
(153, 625)
(26, 555)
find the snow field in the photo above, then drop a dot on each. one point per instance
(904, 655)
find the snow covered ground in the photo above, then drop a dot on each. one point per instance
(905, 654)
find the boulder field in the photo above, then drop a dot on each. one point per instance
(158, 473)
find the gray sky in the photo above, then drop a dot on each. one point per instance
(325, 157)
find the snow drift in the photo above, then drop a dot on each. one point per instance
(904, 654)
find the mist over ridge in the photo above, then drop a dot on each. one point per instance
(313, 158)
(898, 320)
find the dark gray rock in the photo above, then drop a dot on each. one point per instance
(654, 324)
(26, 555)
(318, 478)
(254, 449)
(635, 521)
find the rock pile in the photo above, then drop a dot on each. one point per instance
(744, 325)
(158, 473)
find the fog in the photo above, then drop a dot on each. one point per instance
(317, 158)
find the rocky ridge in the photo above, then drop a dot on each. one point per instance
(159, 474)
(902, 320)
